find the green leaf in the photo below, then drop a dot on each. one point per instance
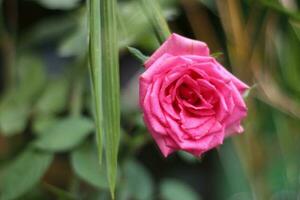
(248, 92)
(276, 6)
(217, 54)
(154, 14)
(65, 134)
(16, 104)
(13, 113)
(211, 5)
(138, 180)
(24, 173)
(49, 29)
(104, 44)
(95, 37)
(76, 44)
(137, 53)
(288, 47)
(59, 193)
(111, 89)
(86, 165)
(187, 157)
(13, 118)
(54, 98)
(133, 24)
(174, 190)
(42, 123)
(59, 4)
(235, 174)
(32, 76)
(296, 28)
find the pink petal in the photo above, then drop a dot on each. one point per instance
(162, 65)
(219, 71)
(239, 112)
(159, 139)
(177, 45)
(155, 124)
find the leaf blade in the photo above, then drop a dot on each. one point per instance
(111, 90)
(137, 53)
(32, 163)
(65, 134)
(154, 14)
(85, 165)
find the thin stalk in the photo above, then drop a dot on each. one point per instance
(158, 22)
(7, 43)
(111, 88)
(78, 83)
(105, 81)
(96, 69)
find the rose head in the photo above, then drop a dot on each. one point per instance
(189, 100)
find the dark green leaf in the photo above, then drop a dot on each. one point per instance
(24, 173)
(175, 190)
(95, 51)
(248, 92)
(133, 24)
(59, 193)
(276, 6)
(216, 54)
(86, 165)
(296, 28)
(76, 43)
(138, 181)
(154, 14)
(32, 76)
(234, 173)
(54, 97)
(110, 87)
(16, 104)
(59, 4)
(13, 118)
(187, 157)
(211, 5)
(65, 134)
(137, 53)
(43, 123)
(47, 30)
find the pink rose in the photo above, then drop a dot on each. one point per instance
(190, 101)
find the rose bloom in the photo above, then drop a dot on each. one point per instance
(189, 100)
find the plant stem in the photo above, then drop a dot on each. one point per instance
(7, 43)
(154, 14)
(111, 88)
(78, 83)
(96, 68)
(105, 81)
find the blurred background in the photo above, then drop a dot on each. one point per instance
(45, 153)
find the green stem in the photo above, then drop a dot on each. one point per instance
(154, 14)
(96, 67)
(111, 90)
(78, 83)
(104, 72)
(7, 44)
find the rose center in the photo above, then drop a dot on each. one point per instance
(188, 94)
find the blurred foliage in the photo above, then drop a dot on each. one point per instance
(47, 140)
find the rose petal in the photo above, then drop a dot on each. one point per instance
(239, 112)
(206, 143)
(155, 124)
(219, 71)
(235, 128)
(159, 139)
(162, 65)
(178, 45)
(154, 102)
